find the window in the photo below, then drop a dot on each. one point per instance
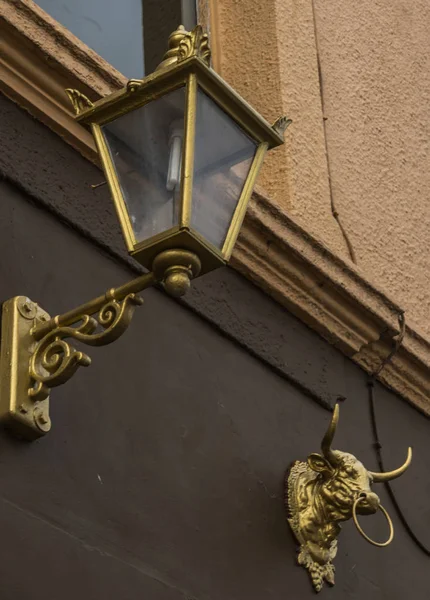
(131, 35)
(91, 45)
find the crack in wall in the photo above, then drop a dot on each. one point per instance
(333, 206)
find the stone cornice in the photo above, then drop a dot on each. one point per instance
(39, 58)
(332, 297)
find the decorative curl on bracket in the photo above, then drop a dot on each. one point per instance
(55, 361)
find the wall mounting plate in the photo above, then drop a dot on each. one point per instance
(18, 411)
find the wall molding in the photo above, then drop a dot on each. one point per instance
(39, 58)
(332, 297)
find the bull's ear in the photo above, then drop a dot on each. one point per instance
(319, 464)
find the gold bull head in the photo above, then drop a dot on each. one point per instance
(329, 488)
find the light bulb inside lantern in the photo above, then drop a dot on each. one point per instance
(175, 159)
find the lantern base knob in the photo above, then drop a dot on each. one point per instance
(177, 282)
(175, 268)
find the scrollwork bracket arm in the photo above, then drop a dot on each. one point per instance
(38, 353)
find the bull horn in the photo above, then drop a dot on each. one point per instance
(389, 475)
(328, 438)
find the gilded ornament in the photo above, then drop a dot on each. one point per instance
(185, 44)
(324, 491)
(280, 125)
(182, 45)
(79, 101)
(195, 43)
(134, 84)
(54, 361)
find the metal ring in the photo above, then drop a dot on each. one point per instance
(387, 516)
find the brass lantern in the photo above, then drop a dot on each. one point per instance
(181, 151)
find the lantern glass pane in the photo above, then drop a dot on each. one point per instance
(222, 161)
(146, 147)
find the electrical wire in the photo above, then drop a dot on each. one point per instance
(377, 442)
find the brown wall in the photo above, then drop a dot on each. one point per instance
(162, 475)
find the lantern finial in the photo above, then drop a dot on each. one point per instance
(184, 44)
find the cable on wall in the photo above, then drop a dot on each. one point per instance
(377, 442)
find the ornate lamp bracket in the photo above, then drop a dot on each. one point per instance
(36, 354)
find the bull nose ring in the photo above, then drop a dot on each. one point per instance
(366, 537)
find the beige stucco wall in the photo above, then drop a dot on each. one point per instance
(375, 63)
(266, 50)
(360, 139)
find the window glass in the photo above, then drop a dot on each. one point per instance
(129, 34)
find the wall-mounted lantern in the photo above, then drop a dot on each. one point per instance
(324, 491)
(181, 152)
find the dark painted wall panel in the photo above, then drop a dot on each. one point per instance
(40, 561)
(167, 455)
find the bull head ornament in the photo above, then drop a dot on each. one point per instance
(324, 491)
